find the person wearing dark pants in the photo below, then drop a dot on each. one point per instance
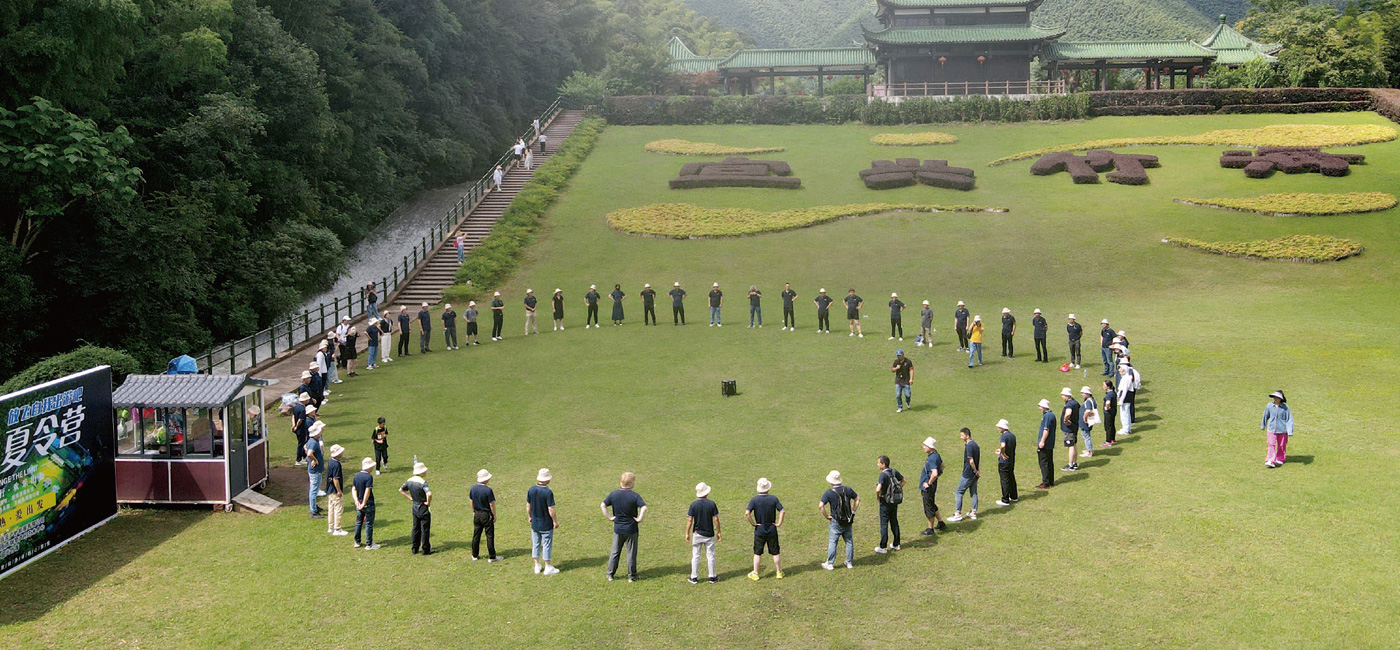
(483, 516)
(789, 316)
(1106, 336)
(823, 303)
(960, 317)
(1076, 333)
(896, 317)
(498, 317)
(1110, 414)
(972, 473)
(1040, 328)
(1006, 464)
(362, 489)
(1069, 426)
(755, 306)
(380, 439)
(1045, 446)
(628, 510)
(418, 493)
(449, 327)
(648, 305)
(557, 302)
(591, 299)
(470, 315)
(1008, 331)
(425, 328)
(405, 329)
(889, 489)
(928, 486)
(677, 304)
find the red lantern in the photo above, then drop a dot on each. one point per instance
(830, 77)
(981, 59)
(942, 60)
(810, 77)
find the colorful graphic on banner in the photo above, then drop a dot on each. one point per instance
(57, 465)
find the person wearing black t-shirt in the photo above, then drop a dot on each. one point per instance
(648, 305)
(702, 530)
(591, 300)
(1008, 332)
(498, 317)
(1045, 446)
(628, 510)
(349, 353)
(853, 306)
(888, 484)
(1069, 427)
(449, 327)
(380, 439)
(405, 331)
(1006, 464)
(363, 492)
(765, 514)
(972, 471)
(960, 317)
(418, 493)
(789, 316)
(617, 295)
(903, 370)
(558, 304)
(531, 303)
(896, 316)
(823, 303)
(716, 302)
(425, 328)
(1076, 332)
(1039, 329)
(483, 500)
(755, 306)
(677, 304)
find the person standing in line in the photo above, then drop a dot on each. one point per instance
(648, 305)
(926, 325)
(348, 351)
(903, 370)
(1110, 414)
(960, 316)
(1088, 416)
(483, 500)
(299, 422)
(789, 316)
(557, 301)
(755, 308)
(854, 304)
(617, 295)
(1129, 382)
(972, 471)
(677, 304)
(335, 492)
(341, 330)
(702, 530)
(1106, 338)
(318, 386)
(974, 341)
(591, 299)
(628, 510)
(362, 489)
(405, 329)
(716, 301)
(1076, 332)
(843, 502)
(1278, 426)
(1006, 464)
(529, 160)
(425, 328)
(471, 314)
(372, 333)
(496, 177)
(542, 141)
(386, 338)
(531, 304)
(416, 490)
(315, 468)
(372, 299)
(765, 514)
(1039, 329)
(498, 317)
(1045, 446)
(449, 327)
(889, 492)
(1069, 427)
(928, 485)
(823, 303)
(1008, 333)
(460, 241)
(544, 519)
(324, 360)
(896, 316)
(380, 439)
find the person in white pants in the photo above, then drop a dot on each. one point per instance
(386, 338)
(702, 531)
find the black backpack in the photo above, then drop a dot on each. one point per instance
(841, 507)
(894, 492)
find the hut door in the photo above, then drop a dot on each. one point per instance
(237, 436)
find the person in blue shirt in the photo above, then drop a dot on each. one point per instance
(1110, 414)
(1076, 332)
(853, 305)
(617, 295)
(1106, 337)
(335, 491)
(363, 493)
(299, 422)
(1039, 329)
(483, 500)
(789, 316)
(716, 301)
(315, 468)
(1087, 409)
(1277, 426)
(889, 493)
(896, 316)
(677, 304)
(1069, 427)
(823, 303)
(1006, 464)
(449, 327)
(765, 514)
(405, 331)
(702, 530)
(539, 509)
(960, 317)
(1045, 446)
(591, 300)
(628, 510)
(372, 333)
(972, 471)
(928, 485)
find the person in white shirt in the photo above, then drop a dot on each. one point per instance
(386, 340)
(1129, 382)
(496, 177)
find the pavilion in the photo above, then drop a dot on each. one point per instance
(1158, 59)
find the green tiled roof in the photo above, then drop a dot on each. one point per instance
(828, 57)
(1234, 48)
(1129, 50)
(927, 4)
(965, 34)
(1241, 57)
(685, 61)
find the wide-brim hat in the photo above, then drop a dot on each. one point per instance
(336, 451)
(471, 303)
(1071, 317)
(313, 366)
(316, 428)
(557, 290)
(366, 464)
(960, 303)
(592, 286)
(543, 476)
(715, 284)
(497, 294)
(419, 469)
(833, 477)
(677, 284)
(1045, 404)
(425, 304)
(1085, 391)
(646, 286)
(822, 291)
(1067, 392)
(1103, 322)
(325, 344)
(930, 442)
(1123, 361)
(925, 302)
(482, 476)
(529, 291)
(701, 489)
(1278, 394)
(764, 485)
(447, 306)
(304, 397)
(1004, 425)
(894, 295)
(1005, 310)
(1123, 333)
(1036, 310)
(977, 319)
(311, 409)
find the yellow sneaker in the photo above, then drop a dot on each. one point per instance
(780, 575)
(753, 575)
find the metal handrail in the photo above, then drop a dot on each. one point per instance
(286, 334)
(967, 88)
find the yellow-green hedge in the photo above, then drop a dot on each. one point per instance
(913, 139)
(1274, 135)
(688, 148)
(684, 221)
(1302, 203)
(1296, 248)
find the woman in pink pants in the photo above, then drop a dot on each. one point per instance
(1277, 426)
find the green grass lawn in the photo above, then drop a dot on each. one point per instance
(1178, 537)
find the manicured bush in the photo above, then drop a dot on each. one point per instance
(736, 172)
(77, 360)
(1124, 168)
(946, 180)
(1302, 203)
(1296, 248)
(1259, 169)
(1289, 160)
(688, 148)
(1281, 135)
(913, 139)
(1218, 98)
(685, 221)
(903, 172)
(734, 180)
(839, 109)
(1301, 107)
(887, 180)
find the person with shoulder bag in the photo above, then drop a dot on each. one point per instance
(889, 488)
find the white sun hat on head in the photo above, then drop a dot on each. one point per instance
(716, 284)
(676, 284)
(496, 294)
(592, 286)
(833, 477)
(1085, 391)
(930, 442)
(701, 489)
(977, 318)
(1045, 404)
(305, 374)
(447, 306)
(925, 302)
(424, 304)
(960, 303)
(764, 485)
(311, 409)
(1036, 310)
(366, 464)
(543, 476)
(894, 295)
(1103, 322)
(336, 451)
(482, 476)
(1067, 392)
(1005, 310)
(1071, 317)
(304, 397)
(419, 469)
(315, 430)
(1003, 424)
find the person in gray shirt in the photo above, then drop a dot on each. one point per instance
(926, 325)
(470, 314)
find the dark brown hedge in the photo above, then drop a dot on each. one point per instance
(903, 172)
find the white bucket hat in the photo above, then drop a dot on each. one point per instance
(834, 477)
(1003, 425)
(366, 464)
(482, 476)
(419, 469)
(1085, 391)
(894, 295)
(1045, 404)
(977, 318)
(1036, 310)
(764, 485)
(960, 303)
(823, 290)
(1123, 333)
(1067, 392)
(592, 286)
(315, 429)
(1005, 310)
(646, 286)
(1103, 322)
(701, 489)
(304, 397)
(930, 442)
(529, 291)
(925, 302)
(447, 306)
(676, 284)
(424, 305)
(311, 409)
(1071, 317)
(543, 476)
(497, 294)
(336, 451)
(715, 284)
(558, 290)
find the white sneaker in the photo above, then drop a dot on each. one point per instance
(851, 334)
(550, 570)
(372, 547)
(894, 548)
(494, 559)
(850, 566)
(320, 493)
(1003, 502)
(890, 338)
(819, 331)
(538, 569)
(1086, 454)
(376, 472)
(861, 335)
(341, 533)
(899, 410)
(719, 324)
(881, 551)
(955, 518)
(901, 338)
(827, 566)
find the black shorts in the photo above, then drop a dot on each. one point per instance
(471, 328)
(930, 508)
(1070, 437)
(852, 315)
(770, 540)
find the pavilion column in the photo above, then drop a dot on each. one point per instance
(1189, 74)
(772, 83)
(1098, 78)
(821, 88)
(1173, 78)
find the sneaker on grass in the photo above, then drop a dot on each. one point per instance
(957, 516)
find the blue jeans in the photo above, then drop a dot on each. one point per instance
(1087, 434)
(315, 489)
(974, 350)
(1107, 355)
(374, 310)
(461, 254)
(331, 374)
(372, 356)
(902, 395)
(364, 521)
(835, 532)
(542, 544)
(714, 315)
(965, 484)
(755, 312)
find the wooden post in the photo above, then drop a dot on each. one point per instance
(821, 88)
(1189, 74)
(772, 82)
(1172, 82)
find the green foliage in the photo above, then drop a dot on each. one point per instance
(1302, 203)
(1293, 248)
(1321, 47)
(1256, 73)
(686, 221)
(637, 69)
(582, 90)
(787, 109)
(78, 360)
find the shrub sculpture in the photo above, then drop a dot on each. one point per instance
(736, 172)
(685, 221)
(1131, 168)
(1290, 160)
(1295, 248)
(913, 139)
(903, 172)
(1298, 203)
(688, 148)
(1275, 135)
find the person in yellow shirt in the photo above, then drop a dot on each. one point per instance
(974, 338)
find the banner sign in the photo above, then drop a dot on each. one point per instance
(57, 466)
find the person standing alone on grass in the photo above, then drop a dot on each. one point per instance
(648, 305)
(315, 468)
(1039, 328)
(1088, 416)
(539, 508)
(1076, 332)
(483, 500)
(449, 327)
(853, 306)
(380, 439)
(1277, 426)
(591, 299)
(755, 306)
(1008, 333)
(896, 316)
(702, 530)
(903, 370)
(372, 299)
(416, 490)
(363, 492)
(823, 303)
(335, 492)
(974, 341)
(531, 304)
(928, 485)
(972, 471)
(1006, 464)
(677, 304)
(628, 510)
(789, 316)
(471, 314)
(1069, 426)
(1045, 446)
(557, 302)
(843, 502)
(716, 301)
(1106, 339)
(405, 328)
(889, 491)
(617, 295)
(960, 316)
(498, 317)
(425, 328)
(926, 325)
(765, 514)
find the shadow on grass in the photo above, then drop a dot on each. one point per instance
(582, 563)
(1070, 478)
(1301, 460)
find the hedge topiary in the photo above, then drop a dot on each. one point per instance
(1300, 203)
(78, 360)
(903, 172)
(1295, 248)
(1275, 135)
(736, 172)
(688, 148)
(913, 139)
(1289, 160)
(685, 221)
(1124, 168)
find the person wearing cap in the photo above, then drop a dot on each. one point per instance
(677, 304)
(449, 327)
(974, 341)
(1076, 332)
(591, 299)
(405, 330)
(1008, 331)
(386, 337)
(1088, 416)
(755, 306)
(1278, 426)
(372, 344)
(470, 315)
(483, 500)
(379, 438)
(903, 370)
(1129, 381)
(896, 317)
(1045, 446)
(789, 316)
(557, 302)
(1106, 339)
(1069, 427)
(889, 493)
(425, 328)
(648, 305)
(972, 471)
(1006, 464)
(539, 508)
(628, 510)
(416, 490)
(330, 374)
(926, 325)
(315, 467)
(362, 489)
(531, 303)
(843, 502)
(1039, 328)
(298, 413)
(854, 303)
(928, 485)
(716, 301)
(617, 295)
(823, 303)
(335, 492)
(498, 317)
(1110, 414)
(702, 530)
(348, 353)
(765, 514)
(960, 316)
